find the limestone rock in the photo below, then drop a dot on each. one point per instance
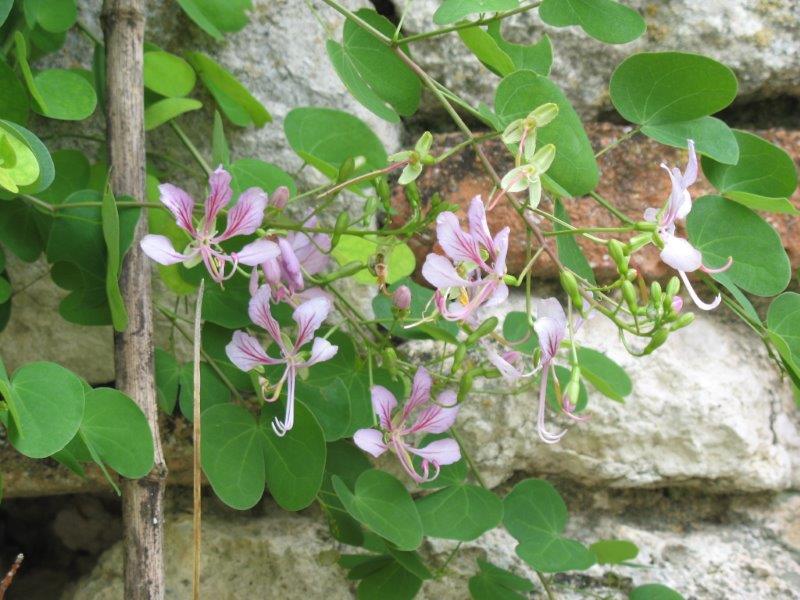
(702, 414)
(756, 38)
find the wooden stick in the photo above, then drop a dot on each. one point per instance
(143, 499)
(196, 471)
(9, 578)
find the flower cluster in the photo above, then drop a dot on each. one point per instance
(395, 425)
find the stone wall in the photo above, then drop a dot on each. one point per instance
(699, 466)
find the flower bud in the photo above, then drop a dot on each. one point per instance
(390, 361)
(458, 357)
(673, 287)
(401, 299)
(279, 197)
(656, 294)
(382, 188)
(423, 145)
(544, 114)
(570, 285)
(342, 223)
(543, 158)
(645, 226)
(465, 386)
(683, 321)
(677, 304)
(616, 250)
(658, 339)
(484, 329)
(346, 169)
(629, 294)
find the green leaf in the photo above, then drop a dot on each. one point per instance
(14, 103)
(536, 57)
(719, 229)
(67, 95)
(18, 165)
(215, 338)
(451, 11)
(517, 329)
(217, 16)
(569, 252)
(110, 218)
(71, 174)
(783, 320)
(604, 20)
(563, 375)
(738, 295)
(382, 503)
(603, 373)
(43, 159)
(389, 582)
(487, 50)
(5, 8)
(325, 138)
(212, 390)
(251, 172)
(117, 430)
(348, 462)
(341, 404)
(233, 99)
(220, 154)
(19, 229)
(56, 15)
(399, 258)
(411, 562)
(295, 463)
(551, 553)
(574, 167)
(460, 512)
(232, 455)
(167, 74)
(46, 402)
(168, 374)
(360, 90)
(167, 109)
(5, 290)
(654, 88)
(227, 306)
(614, 552)
(712, 137)
(763, 179)
(494, 583)
(654, 591)
(21, 50)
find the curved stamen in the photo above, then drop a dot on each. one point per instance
(695, 298)
(721, 269)
(546, 436)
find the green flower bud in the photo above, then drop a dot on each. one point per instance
(484, 329)
(684, 320)
(382, 188)
(616, 250)
(465, 386)
(342, 223)
(346, 170)
(658, 339)
(629, 294)
(544, 114)
(570, 285)
(458, 357)
(673, 287)
(645, 226)
(656, 294)
(390, 361)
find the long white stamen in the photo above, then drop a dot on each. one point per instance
(695, 298)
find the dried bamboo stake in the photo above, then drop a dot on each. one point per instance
(9, 578)
(143, 499)
(196, 472)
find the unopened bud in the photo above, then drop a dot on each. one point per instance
(645, 226)
(346, 169)
(655, 293)
(342, 223)
(279, 197)
(382, 188)
(616, 250)
(570, 285)
(390, 361)
(629, 294)
(401, 299)
(658, 339)
(465, 386)
(673, 287)
(484, 329)
(677, 304)
(458, 357)
(683, 321)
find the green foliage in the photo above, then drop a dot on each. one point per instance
(494, 583)
(654, 591)
(614, 552)
(398, 257)
(216, 17)
(763, 178)
(451, 11)
(569, 252)
(656, 88)
(14, 104)
(783, 321)
(720, 228)
(111, 235)
(459, 512)
(517, 329)
(16, 133)
(574, 168)
(537, 57)
(604, 374)
(55, 16)
(65, 95)
(712, 137)
(167, 74)
(604, 20)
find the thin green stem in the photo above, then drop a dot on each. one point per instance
(546, 586)
(618, 141)
(611, 208)
(468, 458)
(190, 147)
(359, 21)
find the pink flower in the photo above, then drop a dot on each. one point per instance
(551, 327)
(475, 264)
(298, 253)
(401, 299)
(246, 352)
(678, 253)
(394, 425)
(243, 219)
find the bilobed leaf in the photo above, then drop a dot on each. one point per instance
(569, 252)
(212, 390)
(251, 172)
(783, 320)
(382, 503)
(720, 228)
(604, 374)
(19, 229)
(536, 57)
(14, 103)
(763, 179)
(655, 88)
(391, 581)
(71, 174)
(348, 462)
(614, 552)
(451, 11)
(654, 591)
(325, 138)
(167, 109)
(459, 512)
(295, 463)
(234, 100)
(110, 219)
(494, 583)
(167, 74)
(398, 257)
(115, 428)
(550, 553)
(46, 402)
(712, 137)
(67, 95)
(574, 167)
(43, 159)
(486, 49)
(227, 306)
(217, 16)
(232, 455)
(18, 165)
(604, 20)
